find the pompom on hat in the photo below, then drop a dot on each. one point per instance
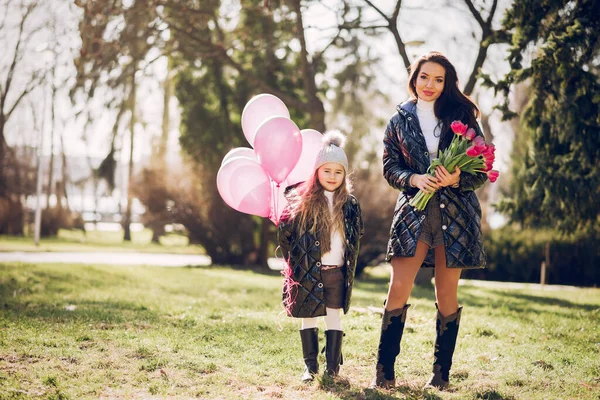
(332, 151)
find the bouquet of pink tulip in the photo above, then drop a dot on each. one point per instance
(468, 152)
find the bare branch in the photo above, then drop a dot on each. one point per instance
(492, 12)
(350, 27)
(374, 7)
(476, 13)
(32, 85)
(393, 27)
(396, 10)
(15, 59)
(319, 54)
(484, 43)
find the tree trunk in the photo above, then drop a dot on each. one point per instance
(158, 230)
(132, 106)
(65, 172)
(3, 183)
(164, 139)
(315, 105)
(49, 188)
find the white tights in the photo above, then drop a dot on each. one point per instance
(332, 320)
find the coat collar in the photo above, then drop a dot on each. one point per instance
(409, 106)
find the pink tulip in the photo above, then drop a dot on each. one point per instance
(490, 149)
(493, 175)
(479, 142)
(488, 166)
(488, 157)
(473, 151)
(458, 128)
(470, 134)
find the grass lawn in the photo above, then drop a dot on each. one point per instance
(77, 240)
(69, 331)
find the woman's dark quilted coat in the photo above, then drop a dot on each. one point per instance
(302, 250)
(405, 153)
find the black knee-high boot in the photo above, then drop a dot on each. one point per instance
(392, 326)
(333, 351)
(445, 342)
(310, 351)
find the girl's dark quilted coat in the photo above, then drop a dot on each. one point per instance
(302, 250)
(405, 153)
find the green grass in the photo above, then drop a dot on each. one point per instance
(69, 331)
(77, 240)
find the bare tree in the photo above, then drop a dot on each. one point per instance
(12, 94)
(488, 37)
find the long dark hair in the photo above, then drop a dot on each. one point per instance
(452, 104)
(309, 204)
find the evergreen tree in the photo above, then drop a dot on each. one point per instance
(213, 89)
(557, 176)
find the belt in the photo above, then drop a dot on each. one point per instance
(328, 267)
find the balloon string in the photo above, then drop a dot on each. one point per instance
(277, 205)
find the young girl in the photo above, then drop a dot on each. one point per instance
(319, 233)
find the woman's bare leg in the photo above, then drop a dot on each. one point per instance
(446, 283)
(404, 271)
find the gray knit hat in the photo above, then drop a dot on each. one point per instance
(333, 141)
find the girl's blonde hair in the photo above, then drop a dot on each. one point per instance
(310, 206)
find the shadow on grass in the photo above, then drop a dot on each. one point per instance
(93, 312)
(342, 388)
(257, 269)
(38, 297)
(524, 303)
(492, 394)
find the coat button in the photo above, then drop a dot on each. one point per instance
(318, 264)
(427, 154)
(347, 262)
(409, 118)
(422, 217)
(444, 227)
(347, 241)
(442, 205)
(320, 285)
(317, 243)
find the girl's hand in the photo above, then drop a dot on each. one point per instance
(426, 182)
(446, 178)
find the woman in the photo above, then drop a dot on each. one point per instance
(447, 234)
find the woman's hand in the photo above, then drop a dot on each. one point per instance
(446, 178)
(426, 182)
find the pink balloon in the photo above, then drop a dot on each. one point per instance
(245, 152)
(278, 202)
(257, 110)
(312, 143)
(245, 186)
(278, 145)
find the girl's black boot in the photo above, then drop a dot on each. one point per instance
(310, 350)
(333, 352)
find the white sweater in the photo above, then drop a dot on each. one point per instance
(336, 255)
(429, 126)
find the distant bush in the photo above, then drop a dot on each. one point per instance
(56, 218)
(516, 255)
(11, 216)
